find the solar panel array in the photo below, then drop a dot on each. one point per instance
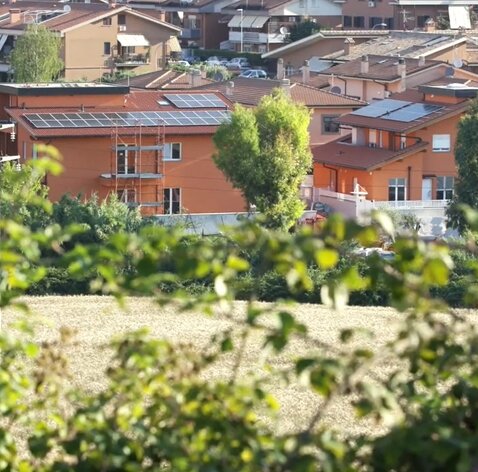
(204, 100)
(396, 110)
(127, 119)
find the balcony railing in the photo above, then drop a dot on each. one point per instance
(410, 204)
(256, 38)
(190, 33)
(131, 60)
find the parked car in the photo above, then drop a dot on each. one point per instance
(322, 209)
(216, 61)
(310, 217)
(181, 63)
(238, 63)
(254, 74)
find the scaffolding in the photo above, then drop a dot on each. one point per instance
(137, 166)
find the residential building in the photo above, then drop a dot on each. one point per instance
(325, 106)
(97, 38)
(153, 149)
(398, 149)
(167, 79)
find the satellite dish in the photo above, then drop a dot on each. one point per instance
(66, 8)
(458, 63)
(284, 30)
(218, 77)
(449, 72)
(336, 89)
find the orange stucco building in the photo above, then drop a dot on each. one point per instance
(154, 149)
(399, 148)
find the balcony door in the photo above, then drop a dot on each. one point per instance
(427, 184)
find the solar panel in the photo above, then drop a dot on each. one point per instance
(380, 107)
(412, 112)
(204, 100)
(127, 119)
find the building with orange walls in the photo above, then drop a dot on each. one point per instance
(397, 149)
(153, 149)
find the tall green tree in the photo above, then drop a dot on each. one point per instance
(36, 56)
(265, 153)
(466, 157)
(303, 29)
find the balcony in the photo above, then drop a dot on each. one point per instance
(190, 33)
(257, 38)
(131, 60)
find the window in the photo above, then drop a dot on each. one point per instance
(125, 161)
(397, 190)
(389, 23)
(106, 49)
(121, 19)
(330, 125)
(301, 4)
(441, 143)
(172, 201)
(347, 22)
(129, 49)
(372, 138)
(172, 151)
(359, 21)
(374, 20)
(107, 21)
(403, 142)
(445, 186)
(421, 20)
(127, 195)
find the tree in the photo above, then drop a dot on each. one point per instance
(36, 56)
(303, 29)
(265, 153)
(466, 157)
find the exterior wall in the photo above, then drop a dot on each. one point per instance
(83, 47)
(316, 8)
(62, 101)
(317, 135)
(213, 32)
(357, 8)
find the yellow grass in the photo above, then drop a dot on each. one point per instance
(98, 319)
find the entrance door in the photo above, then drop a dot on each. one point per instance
(427, 188)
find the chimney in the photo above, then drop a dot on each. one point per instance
(430, 25)
(421, 61)
(15, 15)
(348, 45)
(195, 78)
(230, 89)
(402, 72)
(285, 86)
(364, 65)
(306, 72)
(280, 69)
(162, 15)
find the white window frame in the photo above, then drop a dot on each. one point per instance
(441, 143)
(128, 155)
(396, 183)
(372, 138)
(127, 195)
(448, 185)
(170, 210)
(168, 152)
(403, 142)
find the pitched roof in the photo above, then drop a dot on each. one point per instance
(250, 91)
(402, 43)
(383, 68)
(164, 80)
(342, 154)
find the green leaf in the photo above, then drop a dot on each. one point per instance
(326, 258)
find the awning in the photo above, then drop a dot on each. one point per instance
(174, 45)
(459, 17)
(248, 21)
(3, 40)
(132, 40)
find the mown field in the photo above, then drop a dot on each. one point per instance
(97, 319)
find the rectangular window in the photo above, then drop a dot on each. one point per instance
(172, 151)
(372, 138)
(441, 143)
(106, 49)
(127, 195)
(172, 201)
(125, 161)
(359, 21)
(107, 21)
(389, 22)
(374, 20)
(445, 186)
(421, 20)
(397, 190)
(121, 19)
(403, 142)
(330, 125)
(347, 22)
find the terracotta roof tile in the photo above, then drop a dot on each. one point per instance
(162, 79)
(342, 153)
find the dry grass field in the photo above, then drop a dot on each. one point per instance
(97, 319)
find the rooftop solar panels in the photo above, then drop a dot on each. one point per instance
(204, 100)
(127, 119)
(380, 107)
(397, 110)
(412, 112)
